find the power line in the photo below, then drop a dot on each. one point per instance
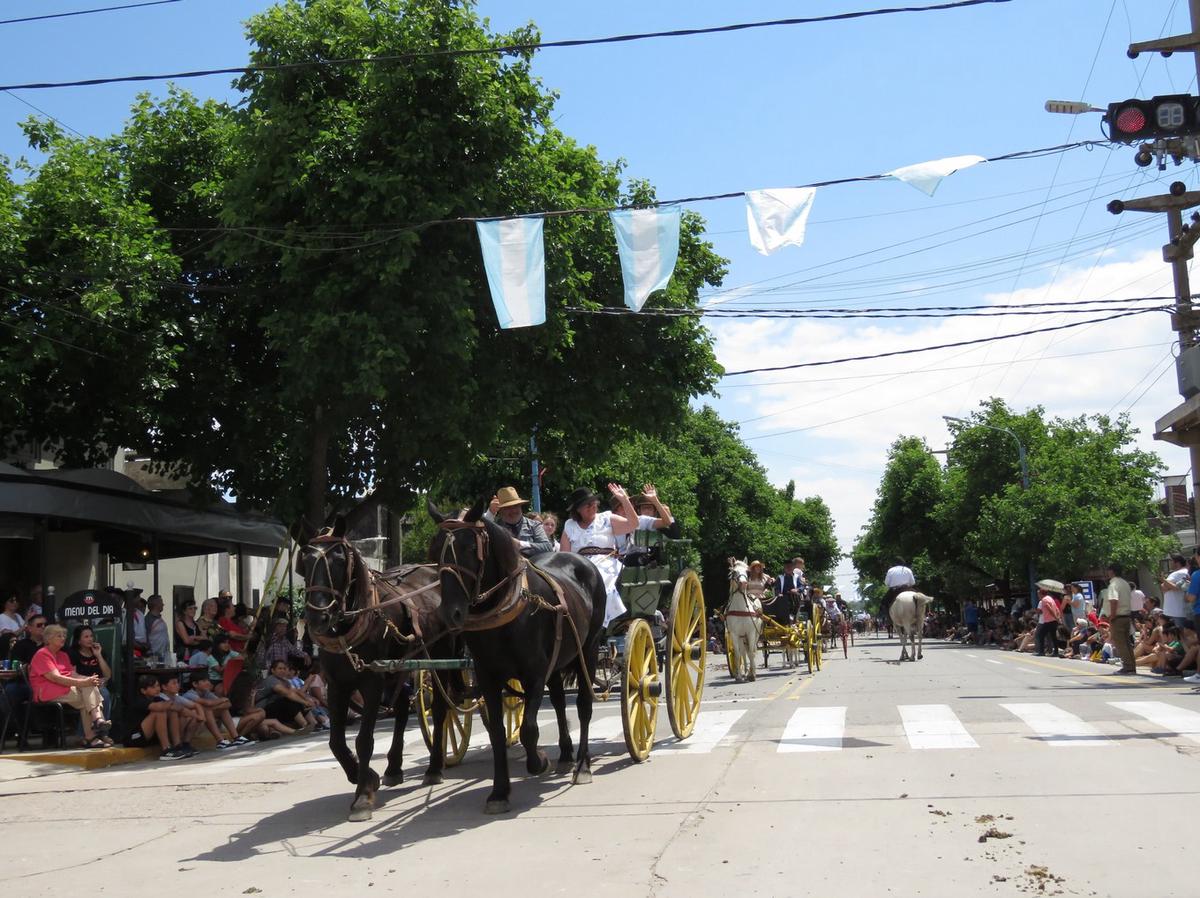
(86, 12)
(25, 330)
(503, 49)
(980, 340)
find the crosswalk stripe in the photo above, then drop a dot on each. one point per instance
(711, 728)
(934, 726)
(813, 729)
(1169, 717)
(1055, 726)
(992, 661)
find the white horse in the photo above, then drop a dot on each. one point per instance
(743, 621)
(908, 617)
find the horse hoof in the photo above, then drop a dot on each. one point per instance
(753, 678)
(496, 806)
(431, 779)
(581, 777)
(359, 816)
(538, 764)
(361, 809)
(393, 779)
(564, 767)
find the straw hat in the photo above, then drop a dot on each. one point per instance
(509, 497)
(1051, 586)
(755, 564)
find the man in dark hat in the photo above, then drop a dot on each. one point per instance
(507, 510)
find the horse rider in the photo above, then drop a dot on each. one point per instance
(507, 510)
(898, 578)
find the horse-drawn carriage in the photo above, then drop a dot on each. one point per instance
(770, 624)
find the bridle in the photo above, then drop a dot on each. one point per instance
(323, 544)
(448, 563)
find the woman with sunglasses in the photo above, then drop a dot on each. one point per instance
(88, 657)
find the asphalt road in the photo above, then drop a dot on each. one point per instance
(971, 772)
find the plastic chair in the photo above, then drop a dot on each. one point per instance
(60, 714)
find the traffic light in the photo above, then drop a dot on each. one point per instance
(1174, 115)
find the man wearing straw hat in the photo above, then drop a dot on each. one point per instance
(507, 510)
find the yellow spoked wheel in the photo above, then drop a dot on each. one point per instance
(456, 728)
(513, 702)
(640, 687)
(686, 649)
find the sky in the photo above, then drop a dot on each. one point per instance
(792, 105)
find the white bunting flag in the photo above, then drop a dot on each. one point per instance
(778, 217)
(648, 241)
(926, 176)
(515, 261)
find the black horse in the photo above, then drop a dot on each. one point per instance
(508, 613)
(352, 627)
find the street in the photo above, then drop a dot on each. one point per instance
(974, 771)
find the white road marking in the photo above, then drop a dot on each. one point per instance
(266, 758)
(934, 726)
(1055, 726)
(710, 729)
(814, 729)
(992, 661)
(969, 655)
(1174, 720)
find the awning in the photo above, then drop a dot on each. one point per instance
(126, 515)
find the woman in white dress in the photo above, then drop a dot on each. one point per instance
(593, 534)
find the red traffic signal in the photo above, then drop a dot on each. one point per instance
(1173, 115)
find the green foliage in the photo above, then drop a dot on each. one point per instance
(1089, 502)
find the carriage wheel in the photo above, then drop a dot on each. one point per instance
(513, 702)
(456, 728)
(687, 645)
(640, 687)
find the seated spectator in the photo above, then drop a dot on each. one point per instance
(52, 678)
(280, 700)
(150, 719)
(306, 679)
(221, 655)
(87, 656)
(1077, 641)
(191, 716)
(216, 714)
(201, 652)
(241, 702)
(280, 646)
(16, 690)
(11, 621)
(1149, 638)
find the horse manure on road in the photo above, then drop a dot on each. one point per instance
(992, 833)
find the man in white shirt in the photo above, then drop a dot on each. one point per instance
(898, 578)
(1174, 587)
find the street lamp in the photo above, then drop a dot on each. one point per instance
(949, 419)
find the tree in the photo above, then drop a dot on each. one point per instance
(972, 524)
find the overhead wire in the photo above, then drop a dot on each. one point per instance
(504, 49)
(86, 12)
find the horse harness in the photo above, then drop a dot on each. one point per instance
(371, 610)
(518, 595)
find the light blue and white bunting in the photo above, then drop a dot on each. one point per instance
(778, 217)
(648, 242)
(926, 176)
(515, 260)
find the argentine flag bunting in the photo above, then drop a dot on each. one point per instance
(515, 261)
(648, 242)
(926, 176)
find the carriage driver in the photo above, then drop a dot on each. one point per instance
(507, 511)
(898, 578)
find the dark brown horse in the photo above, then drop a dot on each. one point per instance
(522, 621)
(357, 616)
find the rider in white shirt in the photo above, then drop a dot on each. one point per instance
(898, 578)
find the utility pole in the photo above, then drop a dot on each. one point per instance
(535, 484)
(1181, 425)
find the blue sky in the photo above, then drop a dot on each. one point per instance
(786, 106)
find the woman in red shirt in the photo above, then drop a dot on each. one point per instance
(52, 678)
(231, 625)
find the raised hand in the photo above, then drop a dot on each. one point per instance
(649, 491)
(618, 491)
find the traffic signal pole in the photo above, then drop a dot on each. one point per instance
(1182, 425)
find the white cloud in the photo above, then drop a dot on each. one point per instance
(846, 416)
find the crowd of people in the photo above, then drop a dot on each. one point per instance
(1122, 626)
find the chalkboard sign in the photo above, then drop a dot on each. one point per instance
(88, 604)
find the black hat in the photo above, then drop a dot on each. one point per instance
(581, 496)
